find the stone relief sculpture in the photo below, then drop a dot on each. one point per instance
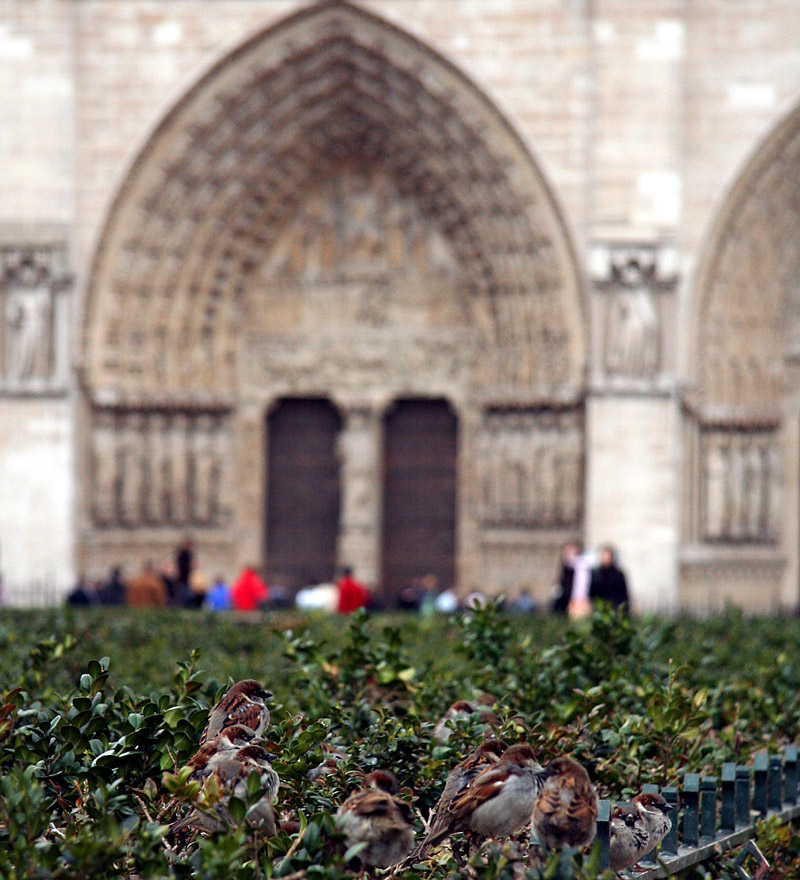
(632, 345)
(741, 486)
(32, 280)
(162, 469)
(530, 465)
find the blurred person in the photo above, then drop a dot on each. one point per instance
(525, 603)
(218, 598)
(562, 592)
(146, 589)
(608, 580)
(195, 593)
(113, 590)
(352, 593)
(249, 592)
(184, 563)
(169, 575)
(83, 593)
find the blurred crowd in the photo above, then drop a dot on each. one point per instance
(583, 579)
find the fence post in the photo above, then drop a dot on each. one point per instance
(790, 769)
(742, 795)
(774, 792)
(603, 833)
(727, 816)
(691, 809)
(670, 844)
(650, 859)
(708, 808)
(760, 768)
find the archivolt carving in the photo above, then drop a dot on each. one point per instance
(530, 468)
(747, 290)
(225, 175)
(159, 469)
(740, 486)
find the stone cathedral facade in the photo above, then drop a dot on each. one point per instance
(425, 287)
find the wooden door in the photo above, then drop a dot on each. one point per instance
(302, 492)
(419, 517)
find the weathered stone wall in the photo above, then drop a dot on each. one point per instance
(641, 117)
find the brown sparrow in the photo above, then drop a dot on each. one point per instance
(636, 830)
(208, 756)
(565, 812)
(331, 758)
(231, 772)
(462, 709)
(487, 754)
(242, 704)
(375, 816)
(499, 799)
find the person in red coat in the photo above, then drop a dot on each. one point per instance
(352, 593)
(249, 592)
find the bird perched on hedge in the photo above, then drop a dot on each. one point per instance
(243, 704)
(462, 709)
(331, 758)
(565, 811)
(228, 775)
(636, 830)
(208, 756)
(374, 815)
(487, 754)
(497, 802)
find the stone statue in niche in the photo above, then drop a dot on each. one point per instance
(716, 488)
(104, 470)
(156, 505)
(131, 470)
(28, 338)
(204, 470)
(178, 488)
(632, 342)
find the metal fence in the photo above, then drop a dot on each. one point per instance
(715, 814)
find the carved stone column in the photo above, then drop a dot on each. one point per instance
(360, 443)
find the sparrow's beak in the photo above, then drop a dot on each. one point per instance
(665, 808)
(266, 695)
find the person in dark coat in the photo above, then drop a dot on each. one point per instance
(113, 590)
(563, 589)
(608, 581)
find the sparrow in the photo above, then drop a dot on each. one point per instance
(487, 753)
(462, 709)
(565, 811)
(497, 802)
(231, 772)
(636, 830)
(207, 757)
(376, 816)
(331, 758)
(243, 704)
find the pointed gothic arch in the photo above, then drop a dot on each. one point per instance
(331, 173)
(742, 402)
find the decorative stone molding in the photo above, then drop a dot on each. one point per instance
(34, 318)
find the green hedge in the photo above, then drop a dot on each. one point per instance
(91, 747)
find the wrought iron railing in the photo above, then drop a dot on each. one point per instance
(717, 814)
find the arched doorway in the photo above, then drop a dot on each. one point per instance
(419, 496)
(303, 496)
(332, 211)
(742, 513)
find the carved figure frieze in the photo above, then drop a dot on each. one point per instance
(33, 281)
(159, 469)
(529, 468)
(740, 486)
